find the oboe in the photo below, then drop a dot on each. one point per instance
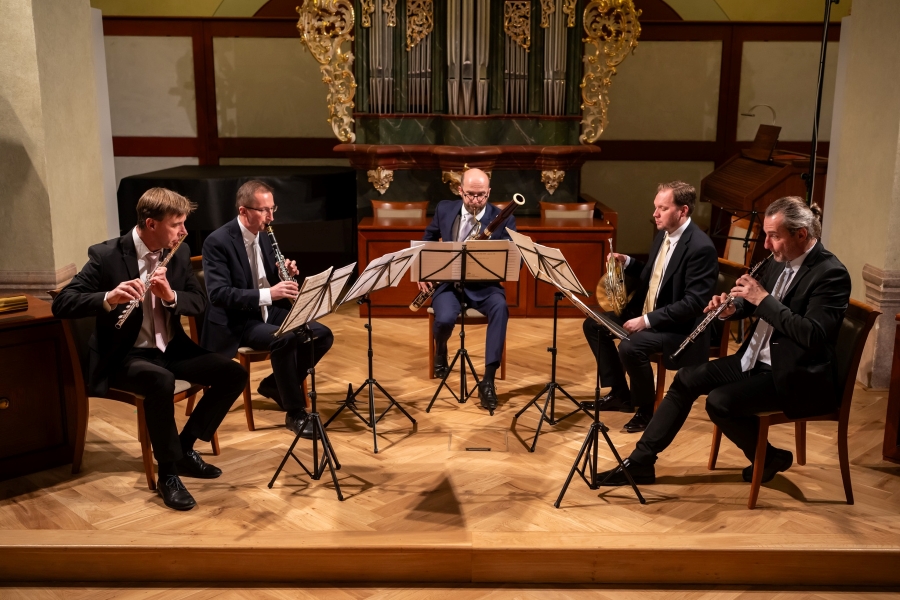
(280, 261)
(729, 300)
(134, 303)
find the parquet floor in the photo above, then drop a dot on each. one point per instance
(424, 480)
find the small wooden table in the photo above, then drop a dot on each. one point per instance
(584, 243)
(43, 406)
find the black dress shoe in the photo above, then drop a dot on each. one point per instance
(269, 389)
(642, 474)
(441, 368)
(293, 422)
(781, 461)
(192, 465)
(174, 494)
(637, 423)
(610, 402)
(488, 395)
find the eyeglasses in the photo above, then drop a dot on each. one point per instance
(476, 196)
(270, 211)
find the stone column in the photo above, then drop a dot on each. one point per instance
(50, 162)
(863, 207)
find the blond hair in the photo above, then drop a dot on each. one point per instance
(158, 203)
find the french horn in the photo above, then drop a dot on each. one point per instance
(612, 285)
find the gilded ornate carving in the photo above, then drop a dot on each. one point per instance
(453, 179)
(517, 22)
(569, 8)
(389, 8)
(380, 179)
(324, 25)
(613, 29)
(548, 7)
(552, 179)
(367, 8)
(419, 21)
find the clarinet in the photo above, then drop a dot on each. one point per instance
(283, 273)
(517, 201)
(134, 303)
(729, 300)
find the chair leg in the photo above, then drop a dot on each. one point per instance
(146, 450)
(215, 444)
(714, 447)
(844, 460)
(430, 346)
(248, 404)
(759, 461)
(189, 408)
(800, 435)
(660, 384)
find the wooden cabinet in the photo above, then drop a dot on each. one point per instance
(43, 408)
(585, 245)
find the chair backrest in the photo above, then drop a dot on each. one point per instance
(858, 321)
(567, 210)
(196, 323)
(734, 248)
(383, 209)
(81, 330)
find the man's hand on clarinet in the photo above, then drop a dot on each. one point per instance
(284, 289)
(133, 289)
(716, 302)
(424, 286)
(159, 286)
(291, 267)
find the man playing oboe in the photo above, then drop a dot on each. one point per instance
(150, 350)
(456, 220)
(787, 360)
(249, 302)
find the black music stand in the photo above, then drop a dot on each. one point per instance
(318, 296)
(479, 261)
(541, 261)
(588, 455)
(382, 272)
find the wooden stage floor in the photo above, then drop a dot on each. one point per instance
(426, 510)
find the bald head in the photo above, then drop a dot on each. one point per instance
(475, 190)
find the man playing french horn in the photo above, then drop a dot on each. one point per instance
(673, 289)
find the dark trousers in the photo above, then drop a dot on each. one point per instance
(632, 357)
(733, 399)
(152, 374)
(446, 305)
(290, 354)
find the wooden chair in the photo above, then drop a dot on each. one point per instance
(734, 248)
(246, 356)
(858, 321)
(81, 332)
(567, 210)
(729, 272)
(473, 317)
(383, 209)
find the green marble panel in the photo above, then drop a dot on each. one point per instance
(398, 130)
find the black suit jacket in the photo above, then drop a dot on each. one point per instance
(109, 264)
(686, 287)
(445, 226)
(233, 295)
(806, 324)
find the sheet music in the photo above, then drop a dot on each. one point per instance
(539, 258)
(307, 302)
(384, 271)
(339, 279)
(601, 318)
(442, 261)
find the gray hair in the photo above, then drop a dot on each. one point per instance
(797, 215)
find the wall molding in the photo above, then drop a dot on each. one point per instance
(36, 283)
(882, 287)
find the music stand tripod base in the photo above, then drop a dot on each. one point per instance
(466, 362)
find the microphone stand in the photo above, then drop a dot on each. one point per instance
(810, 177)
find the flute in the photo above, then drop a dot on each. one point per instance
(134, 303)
(729, 300)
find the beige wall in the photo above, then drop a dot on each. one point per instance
(151, 86)
(784, 75)
(269, 87)
(50, 171)
(666, 91)
(630, 186)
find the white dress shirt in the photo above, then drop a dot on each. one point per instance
(146, 338)
(465, 215)
(257, 268)
(762, 335)
(673, 241)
